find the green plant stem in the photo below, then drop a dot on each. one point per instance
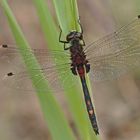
(53, 115)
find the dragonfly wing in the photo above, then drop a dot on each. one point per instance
(116, 53)
(42, 55)
(54, 66)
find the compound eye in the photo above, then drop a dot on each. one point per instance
(70, 36)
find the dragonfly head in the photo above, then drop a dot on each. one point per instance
(74, 35)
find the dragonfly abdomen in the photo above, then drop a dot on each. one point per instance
(89, 106)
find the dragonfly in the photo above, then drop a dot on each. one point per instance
(105, 59)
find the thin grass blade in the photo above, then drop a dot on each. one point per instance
(53, 115)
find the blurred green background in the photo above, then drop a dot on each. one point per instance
(117, 102)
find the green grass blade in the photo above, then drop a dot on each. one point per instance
(73, 95)
(68, 18)
(67, 14)
(54, 117)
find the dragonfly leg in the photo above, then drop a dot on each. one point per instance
(64, 42)
(84, 44)
(65, 47)
(80, 25)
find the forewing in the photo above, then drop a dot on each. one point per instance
(116, 53)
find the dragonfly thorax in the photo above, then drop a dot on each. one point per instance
(79, 62)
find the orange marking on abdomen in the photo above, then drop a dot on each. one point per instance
(88, 103)
(91, 112)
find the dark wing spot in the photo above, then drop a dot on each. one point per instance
(138, 16)
(10, 74)
(5, 46)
